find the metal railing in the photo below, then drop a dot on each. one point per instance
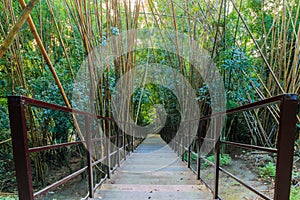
(22, 151)
(284, 147)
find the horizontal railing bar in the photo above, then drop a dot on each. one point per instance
(248, 146)
(206, 160)
(254, 105)
(193, 170)
(244, 184)
(42, 104)
(99, 161)
(54, 146)
(208, 139)
(60, 182)
(236, 178)
(97, 139)
(207, 185)
(114, 169)
(95, 188)
(114, 152)
(100, 183)
(37, 149)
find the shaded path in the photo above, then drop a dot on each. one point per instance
(153, 171)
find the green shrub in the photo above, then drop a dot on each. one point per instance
(268, 171)
(295, 193)
(193, 156)
(10, 197)
(225, 159)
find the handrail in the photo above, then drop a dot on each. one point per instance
(284, 149)
(21, 150)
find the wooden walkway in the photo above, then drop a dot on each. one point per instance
(153, 171)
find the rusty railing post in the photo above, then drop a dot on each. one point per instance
(89, 156)
(189, 145)
(172, 139)
(199, 141)
(217, 129)
(285, 146)
(181, 145)
(107, 147)
(118, 144)
(20, 147)
(124, 141)
(133, 136)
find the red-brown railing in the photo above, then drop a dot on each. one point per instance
(22, 151)
(284, 148)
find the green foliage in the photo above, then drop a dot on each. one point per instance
(295, 193)
(193, 156)
(9, 197)
(240, 76)
(225, 159)
(268, 171)
(7, 174)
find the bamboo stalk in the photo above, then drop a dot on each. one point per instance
(46, 57)
(17, 26)
(260, 51)
(61, 40)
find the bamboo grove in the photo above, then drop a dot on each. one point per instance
(255, 45)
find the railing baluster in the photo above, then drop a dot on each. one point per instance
(118, 144)
(124, 144)
(89, 156)
(181, 151)
(189, 144)
(132, 138)
(199, 141)
(217, 129)
(107, 133)
(20, 147)
(285, 145)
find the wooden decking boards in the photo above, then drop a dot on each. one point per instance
(153, 171)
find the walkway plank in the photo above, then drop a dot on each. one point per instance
(153, 171)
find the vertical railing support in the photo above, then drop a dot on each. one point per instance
(20, 147)
(173, 140)
(118, 145)
(285, 146)
(124, 141)
(132, 138)
(218, 130)
(107, 147)
(199, 141)
(181, 140)
(189, 144)
(89, 156)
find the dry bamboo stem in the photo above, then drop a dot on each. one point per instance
(46, 57)
(257, 46)
(61, 40)
(15, 29)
